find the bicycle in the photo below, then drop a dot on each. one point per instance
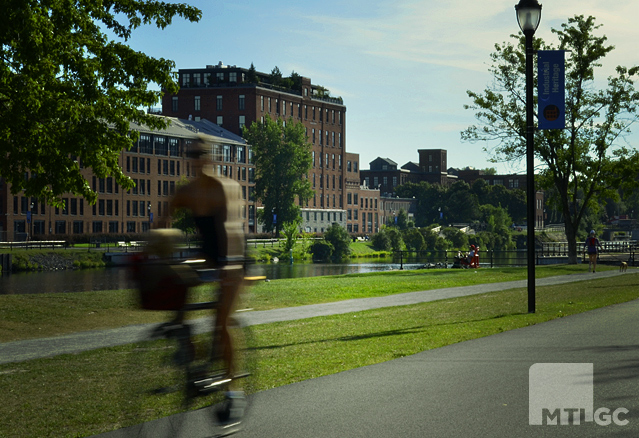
(175, 368)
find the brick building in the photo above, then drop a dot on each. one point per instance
(235, 97)
(156, 163)
(432, 167)
(384, 174)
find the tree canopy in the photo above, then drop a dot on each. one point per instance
(461, 202)
(588, 160)
(282, 157)
(68, 91)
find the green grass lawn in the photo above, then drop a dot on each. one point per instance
(84, 394)
(39, 315)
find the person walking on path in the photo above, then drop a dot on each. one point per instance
(593, 246)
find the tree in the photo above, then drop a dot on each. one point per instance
(251, 76)
(68, 92)
(381, 240)
(461, 204)
(430, 199)
(321, 250)
(584, 162)
(276, 76)
(282, 158)
(340, 240)
(456, 237)
(414, 239)
(291, 232)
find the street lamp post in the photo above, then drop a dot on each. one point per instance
(528, 17)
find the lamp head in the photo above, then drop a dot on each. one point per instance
(528, 15)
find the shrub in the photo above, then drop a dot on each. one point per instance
(322, 251)
(339, 238)
(381, 241)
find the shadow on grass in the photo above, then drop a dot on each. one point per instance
(383, 333)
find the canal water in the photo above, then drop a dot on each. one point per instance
(117, 278)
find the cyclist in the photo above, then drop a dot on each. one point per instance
(214, 202)
(592, 244)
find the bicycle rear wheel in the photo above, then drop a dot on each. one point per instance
(159, 390)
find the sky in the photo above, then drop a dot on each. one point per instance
(402, 66)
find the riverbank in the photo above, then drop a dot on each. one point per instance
(81, 258)
(54, 260)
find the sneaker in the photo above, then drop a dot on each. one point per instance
(232, 410)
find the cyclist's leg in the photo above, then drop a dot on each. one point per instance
(231, 279)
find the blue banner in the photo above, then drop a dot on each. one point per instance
(551, 84)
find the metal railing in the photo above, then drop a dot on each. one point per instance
(613, 252)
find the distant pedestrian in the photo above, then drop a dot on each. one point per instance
(593, 246)
(471, 254)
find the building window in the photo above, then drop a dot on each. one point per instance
(97, 226)
(233, 76)
(146, 146)
(174, 149)
(242, 121)
(186, 79)
(220, 120)
(196, 102)
(218, 103)
(242, 103)
(161, 147)
(197, 79)
(174, 103)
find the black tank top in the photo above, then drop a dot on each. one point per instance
(206, 225)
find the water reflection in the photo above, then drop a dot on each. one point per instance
(117, 278)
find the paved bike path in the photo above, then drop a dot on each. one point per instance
(19, 351)
(477, 388)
